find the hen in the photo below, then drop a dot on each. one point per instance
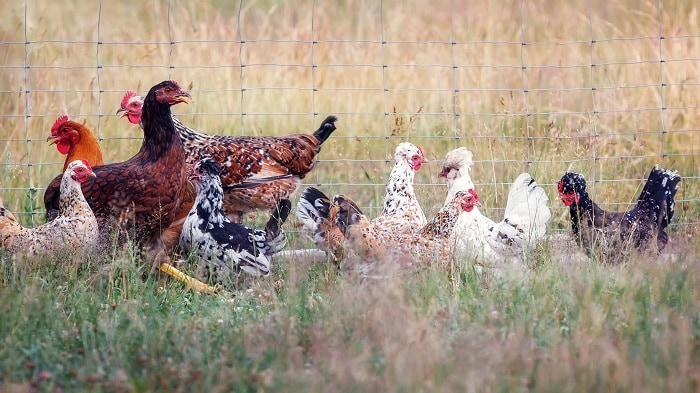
(73, 230)
(481, 239)
(328, 222)
(608, 235)
(76, 141)
(229, 252)
(140, 196)
(278, 163)
(370, 240)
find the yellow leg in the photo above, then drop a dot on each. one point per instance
(190, 281)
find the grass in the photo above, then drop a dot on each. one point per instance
(110, 324)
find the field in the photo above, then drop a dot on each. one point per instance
(607, 89)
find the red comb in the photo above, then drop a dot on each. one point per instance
(473, 193)
(58, 123)
(127, 96)
(560, 186)
(87, 164)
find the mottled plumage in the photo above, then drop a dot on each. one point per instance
(608, 235)
(479, 238)
(229, 252)
(74, 230)
(279, 163)
(370, 240)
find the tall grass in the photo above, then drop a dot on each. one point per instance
(389, 70)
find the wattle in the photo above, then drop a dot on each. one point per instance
(63, 147)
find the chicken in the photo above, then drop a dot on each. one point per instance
(76, 141)
(277, 163)
(370, 240)
(139, 197)
(608, 235)
(74, 230)
(229, 252)
(479, 238)
(327, 223)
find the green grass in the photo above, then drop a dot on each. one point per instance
(569, 325)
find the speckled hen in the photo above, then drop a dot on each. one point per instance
(228, 251)
(74, 230)
(372, 240)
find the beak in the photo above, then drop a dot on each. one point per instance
(122, 109)
(183, 97)
(52, 140)
(92, 174)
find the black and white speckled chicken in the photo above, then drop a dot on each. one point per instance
(73, 230)
(608, 235)
(229, 252)
(278, 163)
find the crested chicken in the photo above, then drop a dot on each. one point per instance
(610, 235)
(490, 243)
(74, 229)
(370, 240)
(139, 197)
(275, 164)
(228, 251)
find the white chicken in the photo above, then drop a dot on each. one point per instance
(479, 238)
(74, 230)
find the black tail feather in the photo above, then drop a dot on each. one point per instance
(326, 129)
(658, 195)
(278, 217)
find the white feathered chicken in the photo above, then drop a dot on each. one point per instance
(341, 224)
(73, 230)
(229, 251)
(487, 242)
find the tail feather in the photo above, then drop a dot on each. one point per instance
(527, 204)
(658, 195)
(9, 227)
(317, 214)
(348, 212)
(275, 238)
(326, 129)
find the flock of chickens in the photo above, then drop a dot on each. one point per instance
(188, 188)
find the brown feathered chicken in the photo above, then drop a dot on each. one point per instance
(608, 235)
(370, 240)
(277, 163)
(76, 141)
(139, 197)
(74, 230)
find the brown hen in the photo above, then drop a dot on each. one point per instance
(277, 163)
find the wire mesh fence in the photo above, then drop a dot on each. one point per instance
(604, 88)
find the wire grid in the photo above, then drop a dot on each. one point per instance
(455, 110)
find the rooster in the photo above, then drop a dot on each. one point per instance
(229, 251)
(139, 197)
(479, 238)
(76, 141)
(73, 230)
(277, 163)
(371, 240)
(608, 235)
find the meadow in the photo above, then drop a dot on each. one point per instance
(605, 88)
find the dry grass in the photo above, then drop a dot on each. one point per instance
(391, 74)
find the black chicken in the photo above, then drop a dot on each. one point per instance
(608, 235)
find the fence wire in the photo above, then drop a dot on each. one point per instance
(607, 89)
